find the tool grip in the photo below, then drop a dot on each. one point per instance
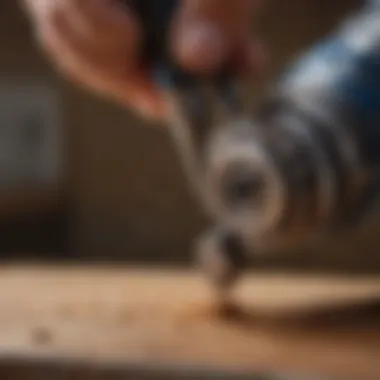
(156, 17)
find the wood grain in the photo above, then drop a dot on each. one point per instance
(291, 323)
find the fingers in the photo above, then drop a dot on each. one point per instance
(95, 43)
(104, 21)
(207, 32)
(98, 23)
(108, 70)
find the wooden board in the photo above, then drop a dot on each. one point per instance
(294, 324)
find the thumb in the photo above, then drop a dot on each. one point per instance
(206, 32)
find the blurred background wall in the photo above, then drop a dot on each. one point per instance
(117, 191)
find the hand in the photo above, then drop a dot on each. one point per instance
(97, 43)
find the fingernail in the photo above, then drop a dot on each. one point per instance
(202, 47)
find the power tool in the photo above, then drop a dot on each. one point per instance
(304, 166)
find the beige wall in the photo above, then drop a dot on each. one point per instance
(128, 195)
